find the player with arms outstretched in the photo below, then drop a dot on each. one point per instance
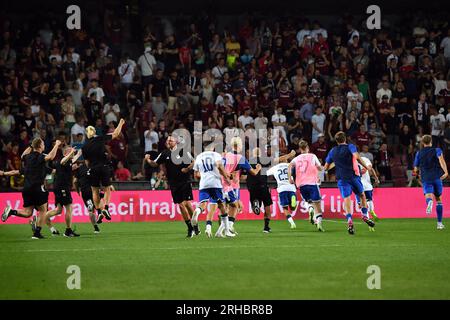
(346, 159)
(286, 190)
(433, 170)
(34, 193)
(208, 167)
(306, 167)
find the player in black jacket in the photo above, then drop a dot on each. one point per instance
(62, 190)
(34, 193)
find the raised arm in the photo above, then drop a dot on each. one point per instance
(52, 154)
(68, 157)
(27, 151)
(9, 173)
(77, 156)
(118, 130)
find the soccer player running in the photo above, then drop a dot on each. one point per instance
(234, 163)
(83, 186)
(208, 167)
(368, 187)
(62, 187)
(346, 158)
(95, 155)
(433, 170)
(286, 191)
(34, 193)
(179, 180)
(307, 168)
(259, 191)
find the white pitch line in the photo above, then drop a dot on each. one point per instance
(202, 247)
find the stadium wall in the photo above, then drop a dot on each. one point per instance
(131, 206)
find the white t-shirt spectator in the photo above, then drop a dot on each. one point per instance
(302, 34)
(447, 118)
(280, 118)
(111, 112)
(6, 123)
(245, 120)
(150, 138)
(319, 121)
(75, 57)
(352, 96)
(445, 44)
(437, 123)
(219, 99)
(75, 130)
(261, 123)
(322, 31)
(381, 92)
(146, 62)
(99, 91)
(218, 72)
(126, 73)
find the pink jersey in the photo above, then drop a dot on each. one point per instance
(306, 172)
(231, 163)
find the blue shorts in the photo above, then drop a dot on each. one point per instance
(232, 196)
(434, 187)
(285, 198)
(369, 196)
(213, 195)
(310, 193)
(346, 187)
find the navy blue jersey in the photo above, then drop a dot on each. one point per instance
(427, 160)
(342, 156)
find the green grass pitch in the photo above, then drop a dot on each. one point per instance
(155, 261)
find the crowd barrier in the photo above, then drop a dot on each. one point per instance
(133, 206)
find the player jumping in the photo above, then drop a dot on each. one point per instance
(346, 159)
(307, 167)
(433, 170)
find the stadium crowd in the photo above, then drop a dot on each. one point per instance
(384, 88)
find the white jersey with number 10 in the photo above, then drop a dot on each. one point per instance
(206, 164)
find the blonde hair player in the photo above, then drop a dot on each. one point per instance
(307, 167)
(95, 156)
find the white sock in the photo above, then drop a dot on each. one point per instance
(198, 210)
(225, 223)
(370, 206)
(318, 219)
(230, 224)
(208, 227)
(291, 221)
(53, 229)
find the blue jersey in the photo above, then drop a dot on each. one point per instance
(342, 156)
(427, 160)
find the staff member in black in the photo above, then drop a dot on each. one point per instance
(34, 193)
(179, 181)
(83, 185)
(61, 188)
(259, 190)
(95, 155)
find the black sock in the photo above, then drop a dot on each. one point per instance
(13, 212)
(99, 211)
(232, 219)
(37, 230)
(189, 224)
(266, 222)
(288, 216)
(106, 207)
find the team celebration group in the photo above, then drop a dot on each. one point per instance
(219, 177)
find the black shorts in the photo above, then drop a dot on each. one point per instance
(261, 194)
(34, 196)
(87, 197)
(182, 192)
(100, 176)
(62, 196)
